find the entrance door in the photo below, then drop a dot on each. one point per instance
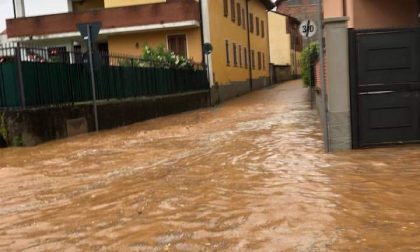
(385, 86)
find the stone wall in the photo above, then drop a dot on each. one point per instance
(33, 126)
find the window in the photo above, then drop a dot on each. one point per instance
(253, 59)
(235, 56)
(227, 53)
(312, 1)
(240, 55)
(263, 59)
(238, 9)
(251, 23)
(225, 8)
(178, 44)
(232, 10)
(243, 18)
(259, 60)
(246, 57)
(257, 25)
(262, 28)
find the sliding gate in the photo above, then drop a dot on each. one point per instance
(385, 86)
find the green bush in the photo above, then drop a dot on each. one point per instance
(308, 58)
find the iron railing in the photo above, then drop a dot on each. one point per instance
(32, 76)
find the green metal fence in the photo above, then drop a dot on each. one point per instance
(48, 83)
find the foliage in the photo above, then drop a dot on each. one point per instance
(308, 58)
(3, 126)
(158, 57)
(17, 141)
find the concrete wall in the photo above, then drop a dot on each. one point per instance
(132, 44)
(337, 77)
(370, 14)
(333, 8)
(374, 14)
(34, 126)
(280, 73)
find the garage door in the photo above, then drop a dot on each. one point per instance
(385, 87)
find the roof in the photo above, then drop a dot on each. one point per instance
(268, 4)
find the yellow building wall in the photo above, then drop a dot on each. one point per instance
(88, 5)
(223, 28)
(121, 3)
(280, 45)
(132, 44)
(257, 42)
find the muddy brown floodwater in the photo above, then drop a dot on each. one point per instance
(249, 175)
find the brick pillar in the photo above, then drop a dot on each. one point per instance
(337, 64)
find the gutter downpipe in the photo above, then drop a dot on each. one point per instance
(14, 8)
(249, 44)
(344, 8)
(322, 78)
(200, 3)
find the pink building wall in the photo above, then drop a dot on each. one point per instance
(373, 14)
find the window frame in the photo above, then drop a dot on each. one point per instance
(178, 35)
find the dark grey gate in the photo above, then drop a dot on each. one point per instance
(385, 86)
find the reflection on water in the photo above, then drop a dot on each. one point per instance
(247, 175)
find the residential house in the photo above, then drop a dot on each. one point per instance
(300, 9)
(372, 71)
(237, 30)
(3, 37)
(285, 46)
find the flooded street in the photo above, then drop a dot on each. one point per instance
(249, 175)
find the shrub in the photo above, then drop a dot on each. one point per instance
(158, 57)
(308, 58)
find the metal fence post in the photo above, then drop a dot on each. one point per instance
(19, 76)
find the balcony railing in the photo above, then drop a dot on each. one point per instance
(170, 12)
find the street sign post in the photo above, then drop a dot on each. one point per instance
(89, 33)
(308, 29)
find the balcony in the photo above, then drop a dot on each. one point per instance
(139, 18)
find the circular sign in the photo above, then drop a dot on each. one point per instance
(307, 28)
